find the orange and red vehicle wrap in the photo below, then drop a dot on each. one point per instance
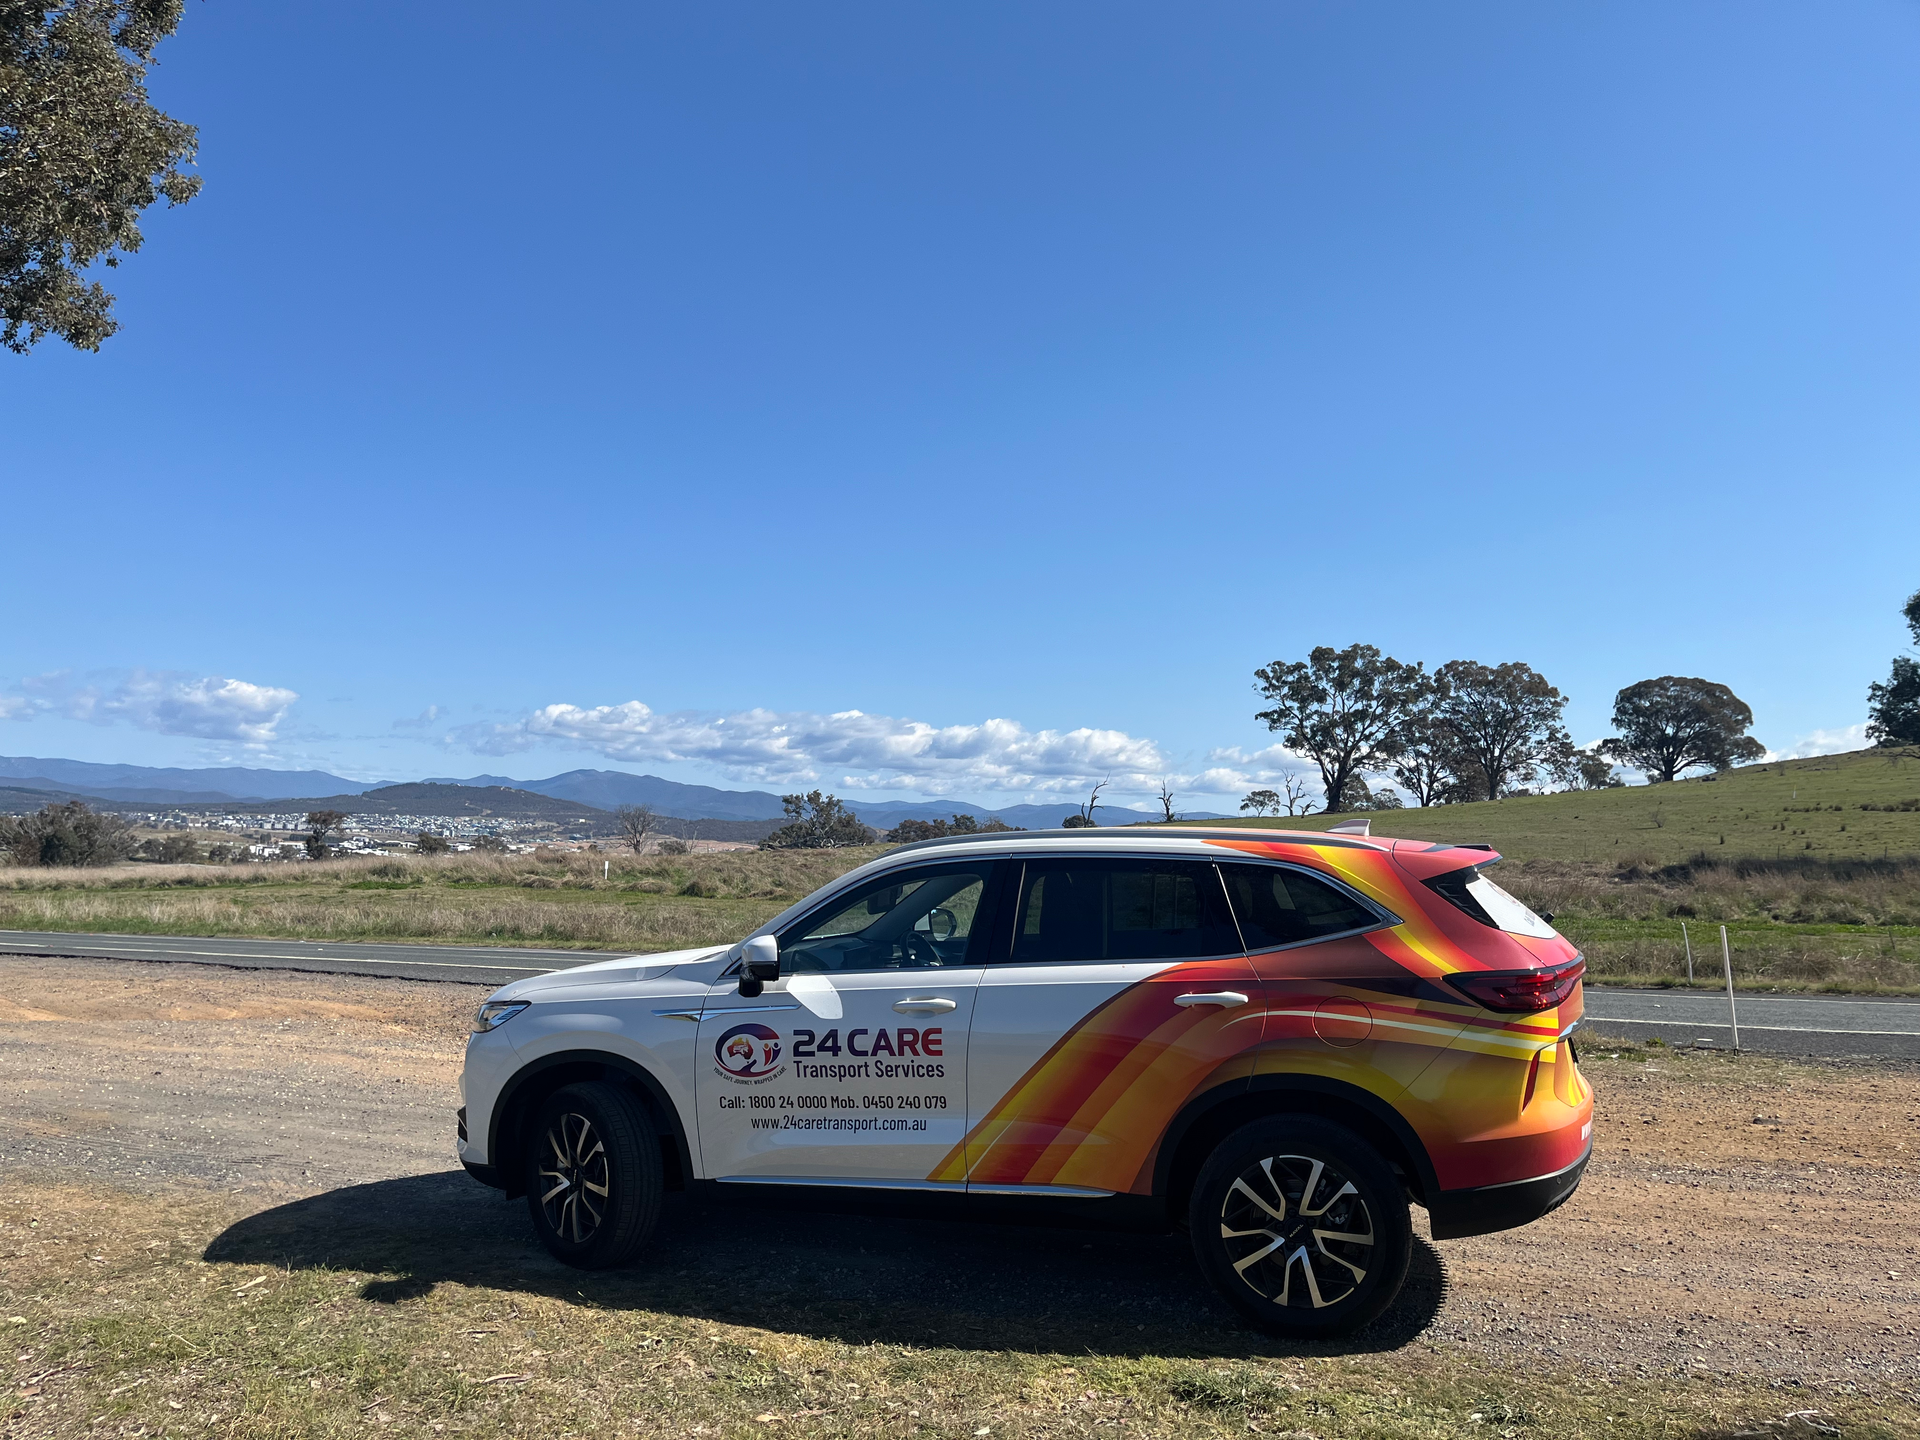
(1494, 1099)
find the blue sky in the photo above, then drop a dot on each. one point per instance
(649, 387)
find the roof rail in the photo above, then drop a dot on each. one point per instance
(1148, 834)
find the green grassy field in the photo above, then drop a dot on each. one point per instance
(1813, 865)
(1814, 808)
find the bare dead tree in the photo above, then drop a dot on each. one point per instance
(1166, 799)
(1293, 794)
(1083, 818)
(636, 822)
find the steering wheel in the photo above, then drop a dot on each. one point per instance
(920, 951)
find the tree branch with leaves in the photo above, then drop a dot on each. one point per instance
(82, 153)
(1893, 704)
(1346, 710)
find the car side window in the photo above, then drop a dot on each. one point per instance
(908, 920)
(1073, 909)
(1278, 906)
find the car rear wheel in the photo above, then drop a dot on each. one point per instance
(593, 1175)
(1301, 1226)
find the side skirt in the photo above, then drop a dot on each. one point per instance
(1113, 1212)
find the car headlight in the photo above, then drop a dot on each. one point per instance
(495, 1013)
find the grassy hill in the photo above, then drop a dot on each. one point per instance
(1835, 807)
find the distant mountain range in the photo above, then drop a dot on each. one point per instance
(172, 787)
(584, 795)
(606, 789)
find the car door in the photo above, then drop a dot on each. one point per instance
(1122, 991)
(1337, 1005)
(851, 1067)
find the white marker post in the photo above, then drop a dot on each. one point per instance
(1726, 956)
(1687, 940)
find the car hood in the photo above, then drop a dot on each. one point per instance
(622, 971)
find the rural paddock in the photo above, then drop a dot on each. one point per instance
(214, 1185)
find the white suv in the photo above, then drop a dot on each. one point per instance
(1276, 1037)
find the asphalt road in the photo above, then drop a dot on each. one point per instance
(1830, 1025)
(464, 964)
(1783, 1025)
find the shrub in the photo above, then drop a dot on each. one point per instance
(817, 822)
(170, 850)
(70, 834)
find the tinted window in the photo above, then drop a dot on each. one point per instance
(1277, 906)
(1121, 910)
(908, 920)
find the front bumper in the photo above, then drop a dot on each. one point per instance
(1456, 1214)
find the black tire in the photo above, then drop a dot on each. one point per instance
(593, 1175)
(1277, 1266)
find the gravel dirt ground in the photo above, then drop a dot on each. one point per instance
(1747, 1218)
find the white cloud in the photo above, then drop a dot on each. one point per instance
(848, 748)
(426, 717)
(167, 702)
(1824, 742)
(1232, 770)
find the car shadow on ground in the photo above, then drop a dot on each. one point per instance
(857, 1279)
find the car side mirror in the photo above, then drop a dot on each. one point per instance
(759, 963)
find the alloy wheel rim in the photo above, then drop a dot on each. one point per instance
(1297, 1232)
(575, 1178)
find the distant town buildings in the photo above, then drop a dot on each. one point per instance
(362, 834)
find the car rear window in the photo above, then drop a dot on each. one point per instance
(1277, 906)
(1074, 909)
(1472, 893)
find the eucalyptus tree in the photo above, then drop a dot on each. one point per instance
(82, 153)
(1347, 710)
(1503, 720)
(1677, 723)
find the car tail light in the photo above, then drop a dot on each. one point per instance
(1520, 992)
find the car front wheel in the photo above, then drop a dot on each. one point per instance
(1301, 1226)
(593, 1175)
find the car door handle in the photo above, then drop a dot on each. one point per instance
(1227, 999)
(925, 1005)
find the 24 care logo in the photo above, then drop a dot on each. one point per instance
(749, 1054)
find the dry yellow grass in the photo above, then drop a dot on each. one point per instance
(553, 898)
